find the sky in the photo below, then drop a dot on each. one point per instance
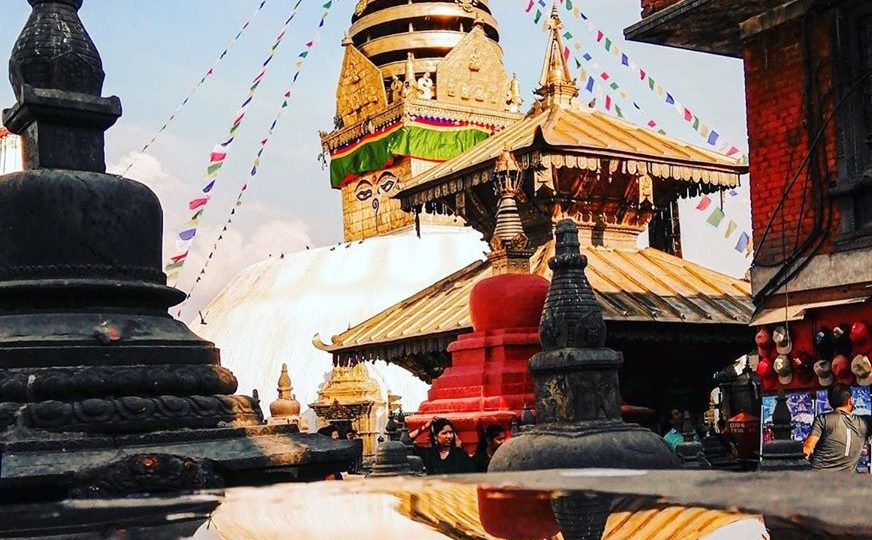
(155, 51)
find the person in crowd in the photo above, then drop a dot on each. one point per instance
(837, 438)
(333, 432)
(444, 456)
(675, 436)
(488, 441)
(330, 431)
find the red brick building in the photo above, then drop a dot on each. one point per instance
(808, 73)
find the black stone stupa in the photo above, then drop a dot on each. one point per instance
(578, 401)
(93, 371)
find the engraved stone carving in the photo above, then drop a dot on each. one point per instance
(146, 473)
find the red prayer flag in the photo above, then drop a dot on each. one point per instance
(704, 203)
(197, 203)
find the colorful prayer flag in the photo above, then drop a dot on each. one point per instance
(704, 203)
(716, 217)
(197, 203)
(743, 243)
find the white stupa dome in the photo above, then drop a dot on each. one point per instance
(269, 313)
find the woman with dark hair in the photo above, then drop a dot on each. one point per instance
(445, 456)
(488, 441)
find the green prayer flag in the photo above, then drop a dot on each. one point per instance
(568, 4)
(695, 123)
(538, 16)
(567, 35)
(716, 217)
(608, 44)
(328, 4)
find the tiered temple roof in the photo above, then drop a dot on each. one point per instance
(631, 285)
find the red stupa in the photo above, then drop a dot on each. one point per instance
(489, 381)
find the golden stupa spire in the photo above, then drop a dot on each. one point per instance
(285, 406)
(556, 86)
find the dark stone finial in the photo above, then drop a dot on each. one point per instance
(578, 399)
(572, 315)
(57, 78)
(56, 56)
(781, 420)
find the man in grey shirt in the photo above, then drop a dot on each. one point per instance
(837, 438)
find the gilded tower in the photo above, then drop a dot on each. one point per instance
(421, 82)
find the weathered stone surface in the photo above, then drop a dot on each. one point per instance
(92, 367)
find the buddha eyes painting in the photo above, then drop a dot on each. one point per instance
(376, 190)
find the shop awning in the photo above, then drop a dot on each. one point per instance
(797, 312)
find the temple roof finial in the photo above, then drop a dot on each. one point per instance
(510, 246)
(556, 86)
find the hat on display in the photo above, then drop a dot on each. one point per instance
(842, 370)
(781, 337)
(842, 340)
(824, 371)
(861, 338)
(763, 339)
(783, 368)
(766, 374)
(823, 343)
(862, 368)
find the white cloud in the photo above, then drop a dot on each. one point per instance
(238, 248)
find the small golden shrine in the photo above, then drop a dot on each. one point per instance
(421, 82)
(286, 409)
(352, 399)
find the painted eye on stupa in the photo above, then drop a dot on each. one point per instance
(387, 182)
(363, 191)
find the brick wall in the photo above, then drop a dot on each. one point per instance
(652, 6)
(774, 82)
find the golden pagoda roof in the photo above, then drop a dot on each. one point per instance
(583, 137)
(641, 285)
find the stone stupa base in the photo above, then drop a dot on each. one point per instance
(51, 466)
(606, 444)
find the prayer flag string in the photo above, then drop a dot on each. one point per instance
(286, 97)
(217, 157)
(717, 216)
(711, 136)
(208, 74)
